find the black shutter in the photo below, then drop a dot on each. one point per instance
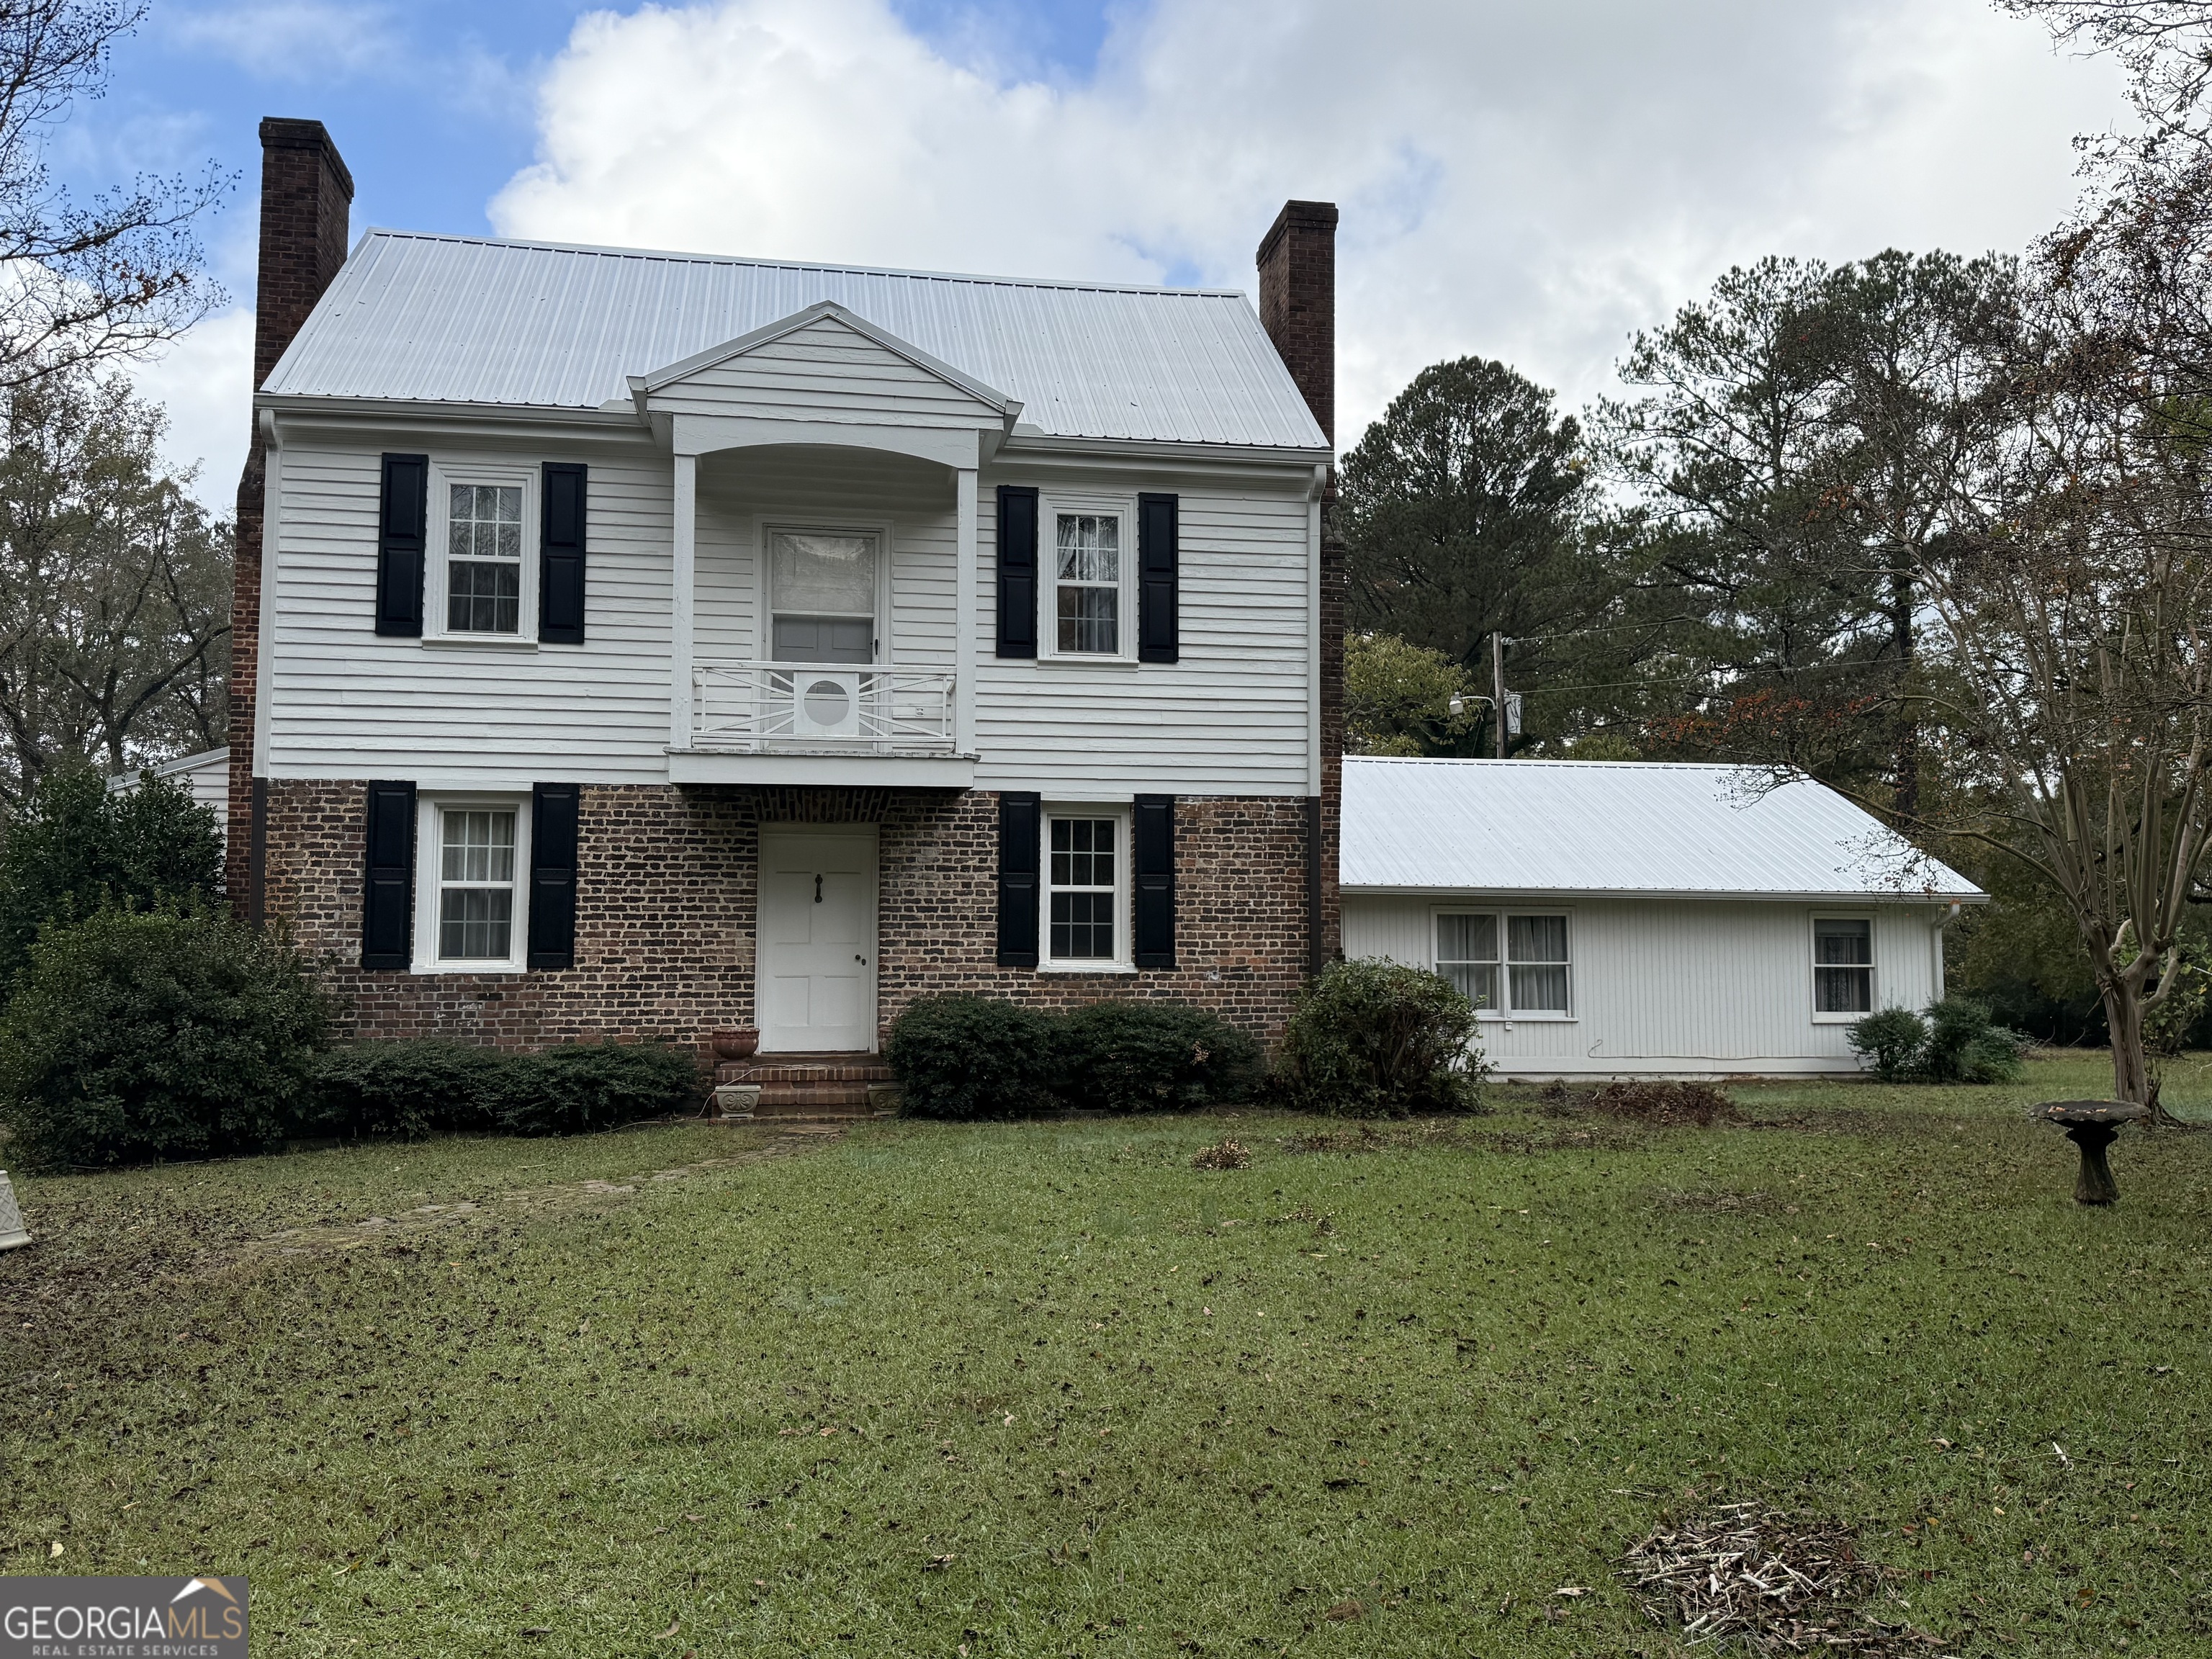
(1018, 575)
(387, 903)
(1020, 843)
(1158, 630)
(561, 556)
(1152, 868)
(553, 875)
(402, 526)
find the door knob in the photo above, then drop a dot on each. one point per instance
(818, 889)
(860, 959)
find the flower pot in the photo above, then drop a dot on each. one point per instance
(736, 1042)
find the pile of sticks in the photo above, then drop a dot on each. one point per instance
(1776, 1583)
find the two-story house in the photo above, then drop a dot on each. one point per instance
(634, 643)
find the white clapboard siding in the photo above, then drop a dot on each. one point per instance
(744, 492)
(343, 702)
(1229, 718)
(825, 371)
(1683, 988)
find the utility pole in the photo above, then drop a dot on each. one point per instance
(1498, 644)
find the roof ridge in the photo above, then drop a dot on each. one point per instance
(678, 255)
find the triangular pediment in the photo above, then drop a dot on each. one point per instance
(826, 355)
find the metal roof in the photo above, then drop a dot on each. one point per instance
(479, 320)
(1563, 827)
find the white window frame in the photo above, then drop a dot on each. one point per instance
(445, 472)
(1050, 507)
(1122, 961)
(1814, 966)
(429, 862)
(1507, 1013)
(765, 530)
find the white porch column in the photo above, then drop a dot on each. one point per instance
(966, 590)
(680, 636)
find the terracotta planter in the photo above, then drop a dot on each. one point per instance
(736, 1042)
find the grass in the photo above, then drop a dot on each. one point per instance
(1046, 1388)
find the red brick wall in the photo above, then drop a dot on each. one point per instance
(1297, 301)
(306, 196)
(666, 896)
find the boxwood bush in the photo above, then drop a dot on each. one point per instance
(1957, 1041)
(582, 1087)
(971, 1057)
(1370, 1038)
(174, 1033)
(1151, 1057)
(406, 1090)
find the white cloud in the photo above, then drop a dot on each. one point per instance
(205, 381)
(1527, 182)
(306, 41)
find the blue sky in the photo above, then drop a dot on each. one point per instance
(1533, 182)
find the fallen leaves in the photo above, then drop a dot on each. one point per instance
(1345, 1610)
(1223, 1155)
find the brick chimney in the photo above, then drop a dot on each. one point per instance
(1297, 301)
(306, 195)
(1297, 308)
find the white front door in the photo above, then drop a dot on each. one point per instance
(816, 936)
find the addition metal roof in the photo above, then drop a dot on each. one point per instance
(464, 320)
(1625, 827)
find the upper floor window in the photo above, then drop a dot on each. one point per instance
(1528, 980)
(822, 591)
(484, 559)
(1843, 966)
(1087, 592)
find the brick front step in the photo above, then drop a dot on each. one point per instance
(769, 1070)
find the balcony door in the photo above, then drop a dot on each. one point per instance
(816, 936)
(823, 593)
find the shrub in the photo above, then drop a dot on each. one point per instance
(1965, 1045)
(406, 1090)
(75, 848)
(971, 1057)
(582, 1087)
(1890, 1043)
(1370, 1038)
(1152, 1057)
(164, 1034)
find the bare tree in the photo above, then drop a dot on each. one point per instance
(84, 282)
(114, 588)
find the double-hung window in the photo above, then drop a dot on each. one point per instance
(483, 580)
(1091, 547)
(1086, 889)
(1843, 967)
(821, 595)
(469, 903)
(1528, 980)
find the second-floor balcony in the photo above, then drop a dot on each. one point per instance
(821, 709)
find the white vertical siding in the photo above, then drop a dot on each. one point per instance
(1678, 986)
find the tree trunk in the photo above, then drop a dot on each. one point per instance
(1906, 799)
(2124, 1020)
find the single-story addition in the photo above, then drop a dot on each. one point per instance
(1635, 918)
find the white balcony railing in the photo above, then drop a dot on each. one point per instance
(838, 709)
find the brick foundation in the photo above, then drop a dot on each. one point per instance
(665, 904)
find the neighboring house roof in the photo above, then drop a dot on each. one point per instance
(1565, 827)
(478, 320)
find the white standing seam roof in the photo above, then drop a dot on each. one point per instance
(478, 320)
(1640, 826)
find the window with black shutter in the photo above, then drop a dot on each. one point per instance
(1019, 842)
(1017, 571)
(403, 516)
(1159, 627)
(553, 875)
(1152, 877)
(560, 557)
(388, 887)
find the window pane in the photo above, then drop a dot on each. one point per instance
(1467, 938)
(1476, 981)
(824, 639)
(837, 575)
(1090, 548)
(482, 597)
(1535, 939)
(1843, 990)
(1539, 990)
(1090, 619)
(479, 846)
(1838, 940)
(1082, 926)
(474, 921)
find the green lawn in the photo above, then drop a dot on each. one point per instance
(1045, 1389)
